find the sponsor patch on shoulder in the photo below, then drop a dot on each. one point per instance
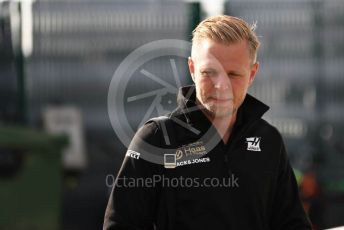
(133, 154)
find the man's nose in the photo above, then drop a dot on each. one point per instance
(221, 82)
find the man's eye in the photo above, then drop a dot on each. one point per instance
(208, 73)
(233, 75)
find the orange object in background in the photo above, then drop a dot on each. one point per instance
(312, 199)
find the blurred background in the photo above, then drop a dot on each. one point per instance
(57, 59)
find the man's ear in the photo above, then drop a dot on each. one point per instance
(254, 70)
(191, 68)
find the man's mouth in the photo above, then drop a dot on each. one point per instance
(220, 100)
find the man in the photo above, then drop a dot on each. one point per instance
(247, 152)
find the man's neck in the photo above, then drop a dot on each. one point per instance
(224, 125)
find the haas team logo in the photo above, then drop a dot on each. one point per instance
(253, 143)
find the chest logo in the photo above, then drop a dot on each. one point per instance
(196, 149)
(186, 155)
(253, 144)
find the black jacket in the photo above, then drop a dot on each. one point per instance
(247, 183)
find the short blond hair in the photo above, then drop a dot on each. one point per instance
(227, 30)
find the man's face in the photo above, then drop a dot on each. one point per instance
(222, 74)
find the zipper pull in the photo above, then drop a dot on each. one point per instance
(229, 171)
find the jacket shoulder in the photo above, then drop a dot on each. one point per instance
(268, 129)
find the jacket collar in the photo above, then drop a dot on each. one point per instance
(251, 109)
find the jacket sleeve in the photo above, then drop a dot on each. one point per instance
(288, 212)
(133, 200)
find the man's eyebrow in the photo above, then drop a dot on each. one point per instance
(208, 68)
